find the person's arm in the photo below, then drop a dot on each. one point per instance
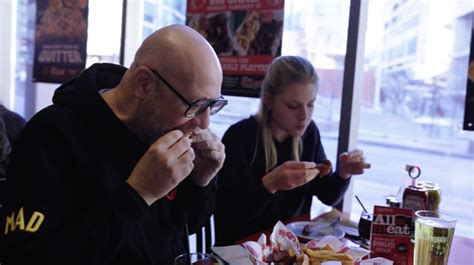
(196, 193)
(42, 219)
(330, 189)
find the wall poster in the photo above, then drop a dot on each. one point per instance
(60, 40)
(246, 35)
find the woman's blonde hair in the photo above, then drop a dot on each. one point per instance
(282, 72)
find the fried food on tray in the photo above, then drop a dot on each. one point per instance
(307, 230)
(287, 257)
(316, 257)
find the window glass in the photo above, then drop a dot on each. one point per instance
(104, 35)
(412, 112)
(324, 44)
(24, 52)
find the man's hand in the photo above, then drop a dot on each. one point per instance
(210, 156)
(289, 175)
(352, 163)
(165, 164)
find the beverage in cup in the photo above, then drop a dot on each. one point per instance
(365, 224)
(433, 237)
(197, 259)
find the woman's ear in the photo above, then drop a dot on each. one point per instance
(267, 99)
(143, 82)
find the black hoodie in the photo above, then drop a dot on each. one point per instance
(67, 201)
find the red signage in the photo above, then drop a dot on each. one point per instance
(246, 35)
(391, 233)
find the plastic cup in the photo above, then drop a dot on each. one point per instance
(197, 259)
(433, 237)
(365, 224)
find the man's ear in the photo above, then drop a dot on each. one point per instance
(143, 82)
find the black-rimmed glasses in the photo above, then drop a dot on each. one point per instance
(198, 106)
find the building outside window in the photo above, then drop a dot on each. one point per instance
(416, 113)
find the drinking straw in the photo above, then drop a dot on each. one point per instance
(186, 239)
(365, 210)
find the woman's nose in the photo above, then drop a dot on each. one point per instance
(303, 113)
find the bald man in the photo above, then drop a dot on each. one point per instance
(112, 171)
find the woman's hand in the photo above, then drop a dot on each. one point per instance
(352, 163)
(289, 175)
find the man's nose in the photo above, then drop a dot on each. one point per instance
(204, 118)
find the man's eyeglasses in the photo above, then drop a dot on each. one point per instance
(198, 106)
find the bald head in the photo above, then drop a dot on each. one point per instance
(181, 55)
(148, 105)
(172, 41)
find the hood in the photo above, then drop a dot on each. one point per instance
(79, 91)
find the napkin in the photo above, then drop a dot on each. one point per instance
(376, 261)
(234, 254)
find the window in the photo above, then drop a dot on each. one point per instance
(420, 104)
(395, 7)
(149, 11)
(411, 23)
(411, 46)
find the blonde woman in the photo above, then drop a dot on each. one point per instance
(270, 169)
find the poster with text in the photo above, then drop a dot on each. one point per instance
(60, 40)
(391, 233)
(246, 35)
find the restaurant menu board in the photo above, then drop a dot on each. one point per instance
(246, 35)
(390, 235)
(60, 40)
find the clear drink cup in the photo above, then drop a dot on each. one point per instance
(364, 227)
(433, 237)
(197, 259)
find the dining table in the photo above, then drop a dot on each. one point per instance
(461, 253)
